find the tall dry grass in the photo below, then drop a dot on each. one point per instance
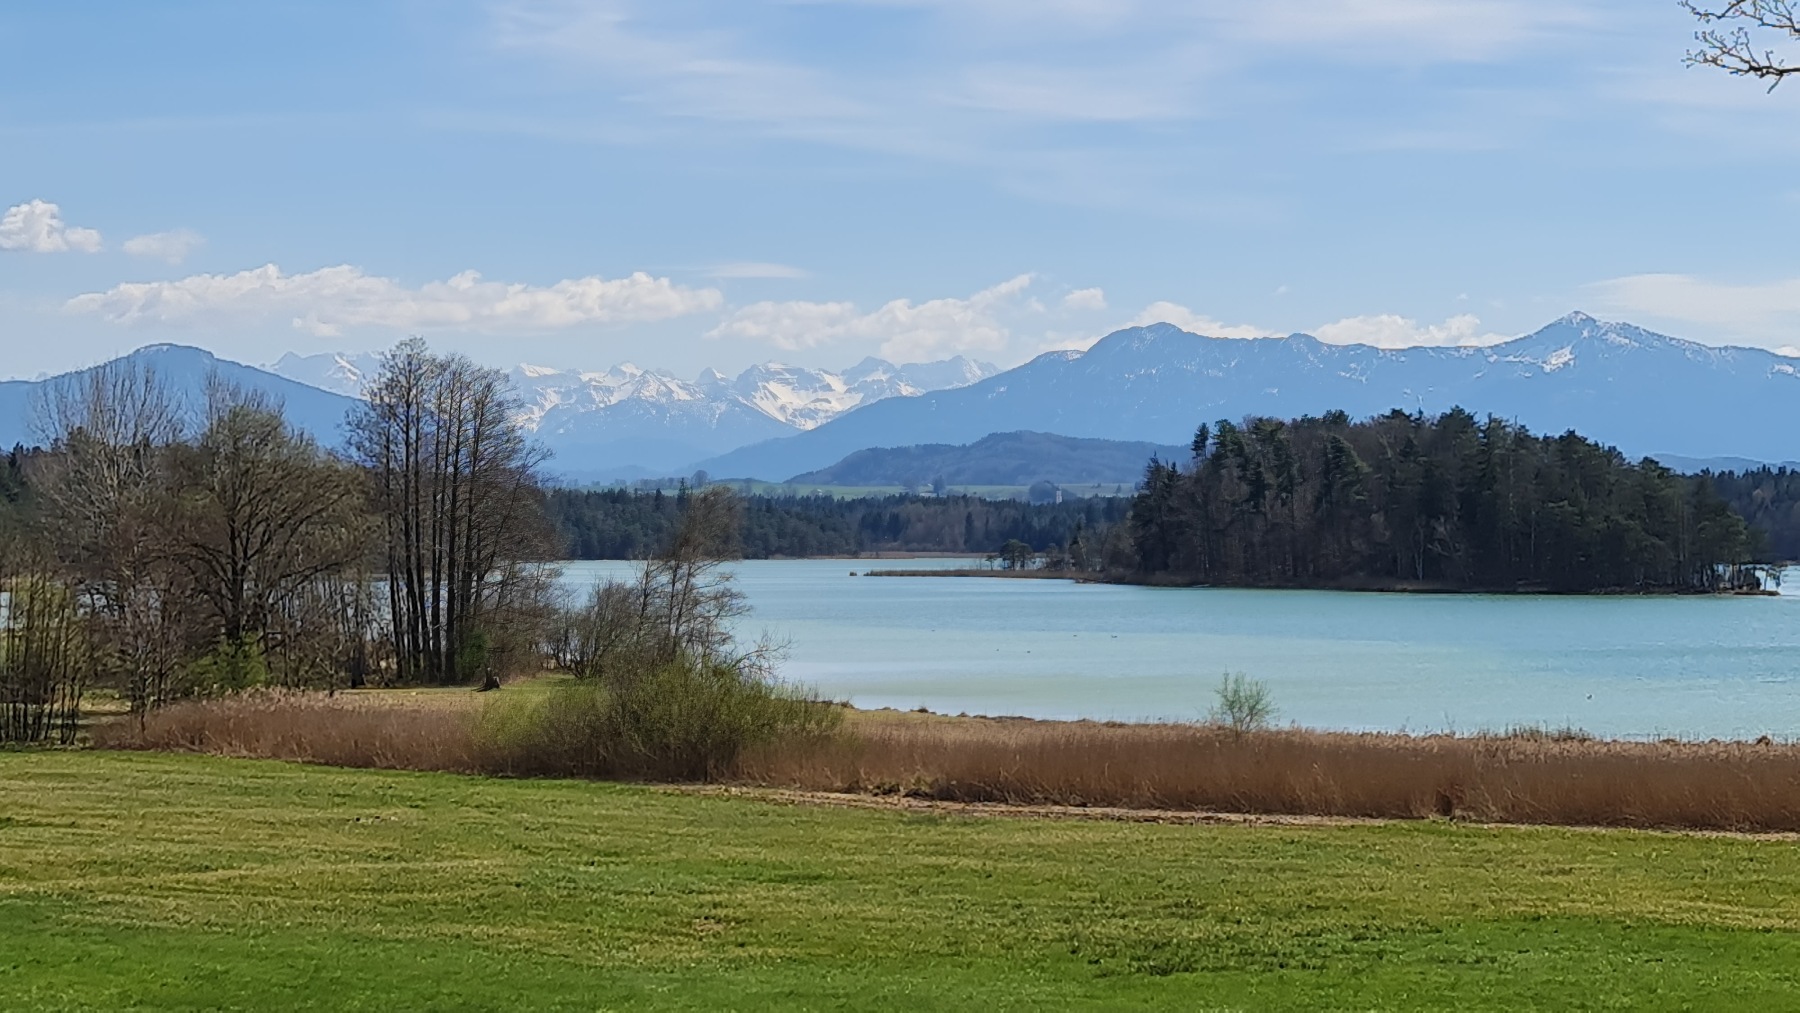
(386, 731)
(675, 723)
(1520, 778)
(1530, 778)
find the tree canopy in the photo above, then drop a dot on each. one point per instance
(1448, 501)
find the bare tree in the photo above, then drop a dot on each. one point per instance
(45, 647)
(698, 600)
(264, 515)
(168, 566)
(452, 475)
(682, 605)
(108, 431)
(1739, 37)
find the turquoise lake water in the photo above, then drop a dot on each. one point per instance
(1616, 666)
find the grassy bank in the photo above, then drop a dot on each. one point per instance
(131, 880)
(1527, 777)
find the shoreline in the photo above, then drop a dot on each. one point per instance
(1009, 574)
(1369, 587)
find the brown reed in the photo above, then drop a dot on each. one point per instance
(1523, 777)
(381, 730)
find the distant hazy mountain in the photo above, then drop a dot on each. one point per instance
(185, 370)
(999, 459)
(626, 421)
(1644, 392)
(339, 372)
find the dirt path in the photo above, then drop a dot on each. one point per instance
(1120, 814)
(903, 803)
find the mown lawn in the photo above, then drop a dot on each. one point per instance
(178, 881)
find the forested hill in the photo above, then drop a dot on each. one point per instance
(1322, 502)
(1447, 501)
(1769, 499)
(622, 524)
(998, 459)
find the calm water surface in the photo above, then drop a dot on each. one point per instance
(1691, 667)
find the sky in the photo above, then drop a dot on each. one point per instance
(686, 184)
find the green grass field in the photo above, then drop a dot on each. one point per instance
(178, 881)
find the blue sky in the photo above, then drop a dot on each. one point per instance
(684, 184)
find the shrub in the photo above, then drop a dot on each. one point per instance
(1245, 704)
(231, 666)
(662, 688)
(685, 720)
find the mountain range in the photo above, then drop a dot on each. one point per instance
(1643, 392)
(628, 422)
(1646, 393)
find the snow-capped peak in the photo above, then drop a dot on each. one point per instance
(795, 397)
(338, 372)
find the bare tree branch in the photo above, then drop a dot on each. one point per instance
(1735, 36)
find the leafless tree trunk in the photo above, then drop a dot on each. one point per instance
(45, 648)
(453, 477)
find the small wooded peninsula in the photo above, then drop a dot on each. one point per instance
(1447, 502)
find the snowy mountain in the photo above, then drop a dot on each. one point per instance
(338, 372)
(1644, 392)
(627, 421)
(185, 371)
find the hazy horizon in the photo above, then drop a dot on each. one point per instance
(651, 365)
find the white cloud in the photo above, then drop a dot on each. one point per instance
(1085, 299)
(1765, 312)
(1188, 320)
(1386, 330)
(757, 269)
(907, 331)
(36, 226)
(172, 247)
(326, 301)
(1792, 351)
(789, 325)
(1390, 330)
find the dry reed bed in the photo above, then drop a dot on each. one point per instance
(1528, 779)
(1504, 779)
(422, 731)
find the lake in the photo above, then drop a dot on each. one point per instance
(1616, 666)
